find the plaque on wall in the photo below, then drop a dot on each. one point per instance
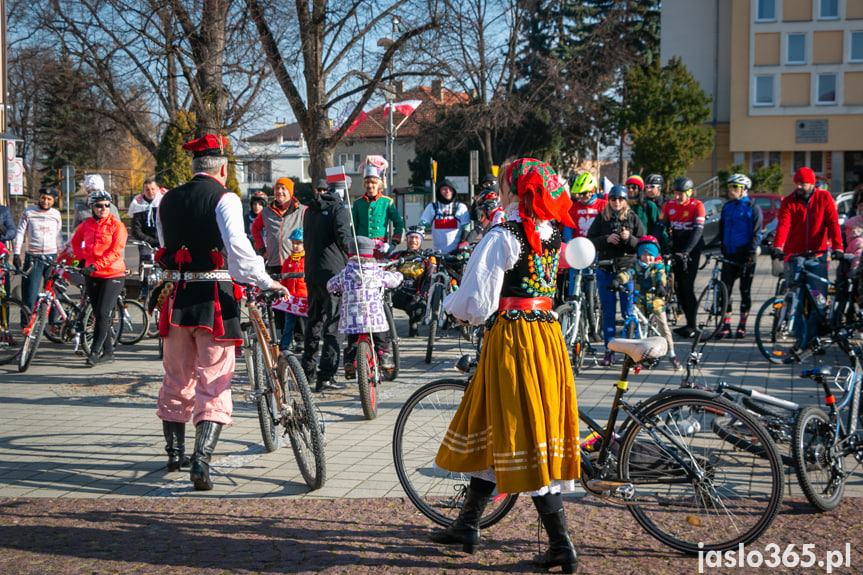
(811, 131)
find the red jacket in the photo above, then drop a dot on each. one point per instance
(807, 226)
(101, 243)
(295, 263)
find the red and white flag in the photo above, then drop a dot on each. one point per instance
(407, 107)
(336, 174)
(360, 119)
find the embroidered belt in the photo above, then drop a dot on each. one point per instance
(525, 303)
(214, 275)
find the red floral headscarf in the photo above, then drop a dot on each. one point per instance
(529, 177)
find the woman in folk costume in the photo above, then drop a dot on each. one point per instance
(517, 425)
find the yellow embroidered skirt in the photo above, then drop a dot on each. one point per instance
(519, 413)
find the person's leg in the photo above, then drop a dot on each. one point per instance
(314, 325)
(329, 363)
(561, 550)
(608, 304)
(349, 361)
(627, 300)
(687, 289)
(728, 277)
(31, 285)
(747, 274)
(287, 332)
(383, 347)
(465, 528)
(177, 393)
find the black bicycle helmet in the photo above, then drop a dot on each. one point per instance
(682, 184)
(654, 180)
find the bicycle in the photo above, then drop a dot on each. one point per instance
(823, 440)
(713, 302)
(637, 325)
(685, 485)
(672, 303)
(573, 316)
(281, 391)
(149, 276)
(779, 325)
(445, 274)
(70, 321)
(133, 318)
(14, 316)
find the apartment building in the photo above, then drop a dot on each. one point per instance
(787, 81)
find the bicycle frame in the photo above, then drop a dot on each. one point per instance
(268, 342)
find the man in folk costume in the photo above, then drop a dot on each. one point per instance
(517, 424)
(200, 317)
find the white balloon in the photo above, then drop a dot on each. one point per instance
(580, 253)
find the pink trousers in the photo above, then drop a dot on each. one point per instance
(198, 371)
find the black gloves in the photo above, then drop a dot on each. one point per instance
(88, 270)
(614, 285)
(660, 291)
(837, 254)
(16, 261)
(777, 254)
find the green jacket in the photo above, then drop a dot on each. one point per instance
(371, 218)
(649, 213)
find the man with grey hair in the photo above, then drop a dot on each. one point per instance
(198, 222)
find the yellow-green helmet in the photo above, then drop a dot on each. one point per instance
(583, 184)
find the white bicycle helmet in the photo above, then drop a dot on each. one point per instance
(741, 180)
(98, 196)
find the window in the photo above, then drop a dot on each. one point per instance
(774, 158)
(351, 162)
(828, 9)
(826, 89)
(856, 47)
(799, 161)
(796, 53)
(259, 171)
(816, 162)
(766, 10)
(763, 90)
(757, 160)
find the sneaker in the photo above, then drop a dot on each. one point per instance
(685, 332)
(329, 384)
(675, 363)
(723, 331)
(608, 360)
(350, 371)
(386, 359)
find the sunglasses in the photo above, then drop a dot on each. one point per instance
(736, 186)
(101, 205)
(633, 187)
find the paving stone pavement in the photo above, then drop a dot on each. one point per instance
(83, 486)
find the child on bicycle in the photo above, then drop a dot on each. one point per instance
(650, 281)
(296, 306)
(361, 284)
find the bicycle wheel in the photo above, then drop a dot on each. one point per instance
(436, 303)
(88, 323)
(774, 330)
(709, 311)
(720, 496)
(32, 339)
(630, 328)
(135, 321)
(14, 318)
(153, 324)
(420, 427)
(305, 425)
(263, 388)
(592, 311)
(57, 329)
(366, 379)
(391, 374)
(821, 474)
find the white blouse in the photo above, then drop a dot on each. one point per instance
(478, 296)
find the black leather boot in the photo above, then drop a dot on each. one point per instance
(206, 437)
(175, 446)
(465, 529)
(560, 551)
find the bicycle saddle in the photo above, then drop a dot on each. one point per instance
(640, 349)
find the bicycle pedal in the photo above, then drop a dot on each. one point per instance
(620, 491)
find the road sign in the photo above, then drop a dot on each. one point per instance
(626, 143)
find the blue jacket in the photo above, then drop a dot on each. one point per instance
(6, 220)
(740, 227)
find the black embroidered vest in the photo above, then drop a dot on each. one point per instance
(534, 274)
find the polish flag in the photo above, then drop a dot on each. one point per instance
(360, 119)
(336, 174)
(407, 107)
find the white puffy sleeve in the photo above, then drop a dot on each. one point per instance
(243, 263)
(479, 293)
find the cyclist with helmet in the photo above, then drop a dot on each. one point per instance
(684, 216)
(615, 233)
(650, 280)
(489, 213)
(448, 219)
(257, 203)
(410, 296)
(740, 236)
(586, 205)
(653, 187)
(41, 229)
(99, 242)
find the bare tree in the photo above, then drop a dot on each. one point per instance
(317, 40)
(155, 58)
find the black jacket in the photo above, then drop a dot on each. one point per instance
(622, 253)
(326, 237)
